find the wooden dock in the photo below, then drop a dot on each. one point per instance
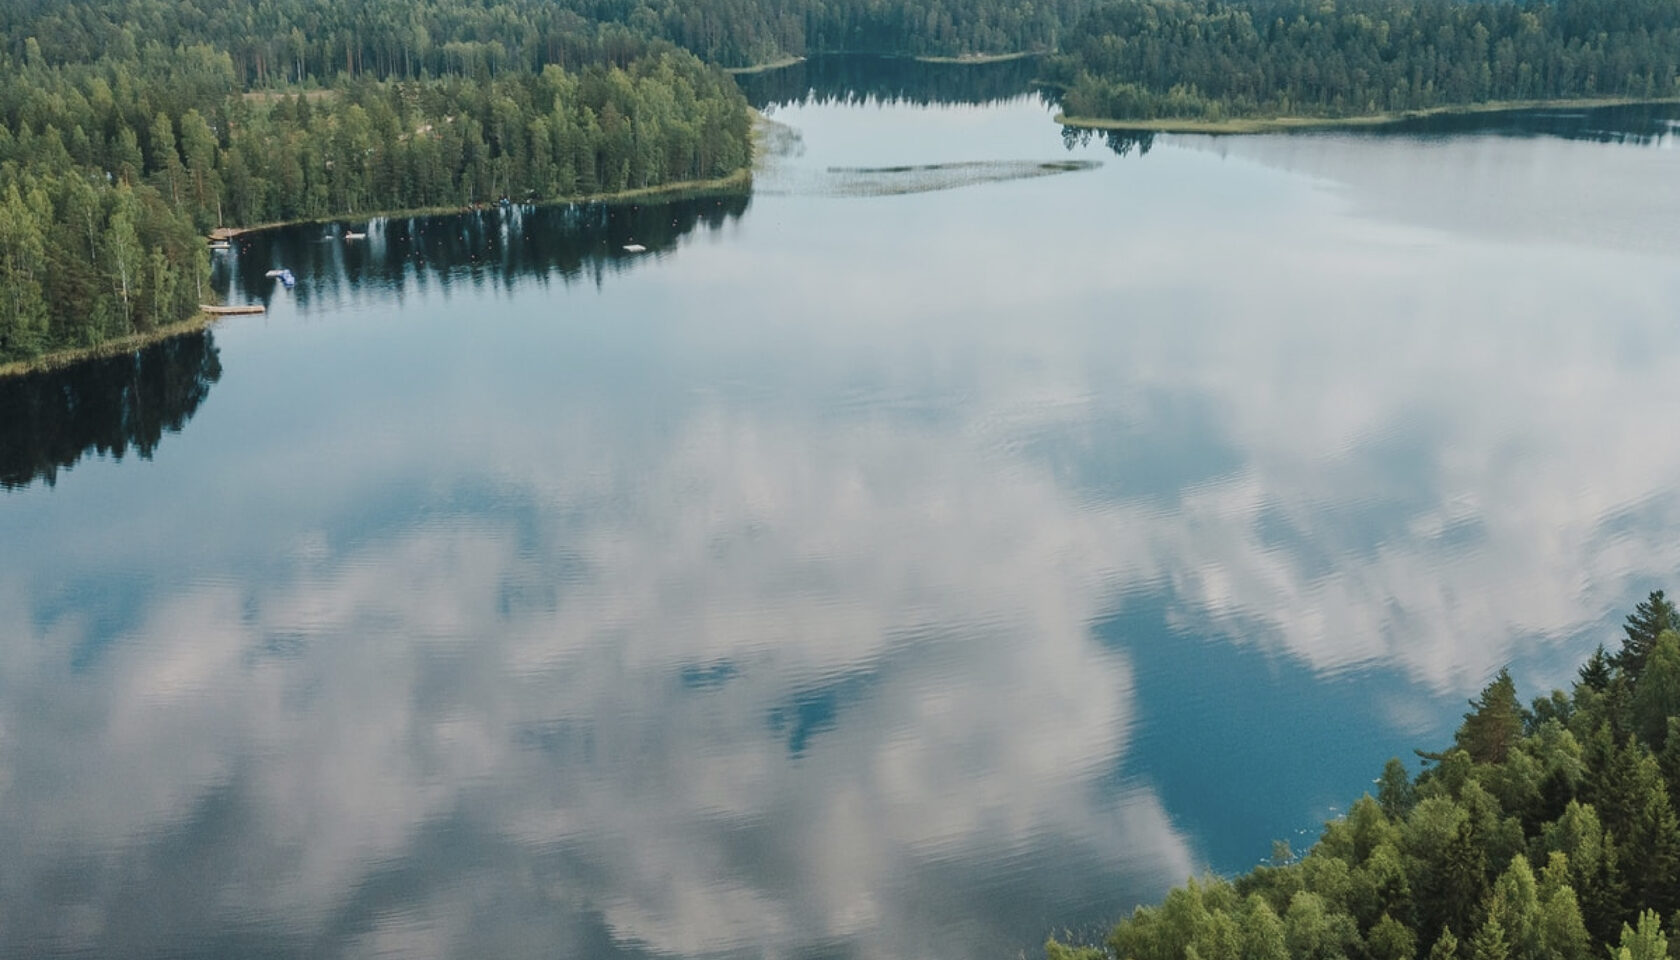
(234, 310)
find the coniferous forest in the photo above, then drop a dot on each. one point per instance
(1545, 832)
(1209, 60)
(130, 127)
(119, 149)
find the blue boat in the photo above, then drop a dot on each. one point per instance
(284, 276)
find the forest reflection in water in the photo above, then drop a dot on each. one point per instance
(1636, 124)
(855, 79)
(109, 406)
(905, 576)
(572, 242)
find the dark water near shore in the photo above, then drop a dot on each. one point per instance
(944, 546)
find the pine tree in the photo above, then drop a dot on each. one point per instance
(1647, 622)
(1494, 723)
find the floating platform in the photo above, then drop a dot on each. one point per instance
(232, 310)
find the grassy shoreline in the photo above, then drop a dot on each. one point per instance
(763, 67)
(59, 359)
(964, 59)
(1247, 125)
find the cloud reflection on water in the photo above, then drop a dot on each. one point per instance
(747, 605)
(526, 687)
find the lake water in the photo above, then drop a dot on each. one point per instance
(947, 545)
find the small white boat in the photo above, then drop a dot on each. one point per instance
(634, 248)
(283, 275)
(352, 235)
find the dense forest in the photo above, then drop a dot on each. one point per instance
(292, 40)
(1545, 833)
(1212, 59)
(129, 127)
(117, 151)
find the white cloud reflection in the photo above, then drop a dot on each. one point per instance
(775, 637)
(888, 669)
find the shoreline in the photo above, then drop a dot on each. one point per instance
(980, 59)
(134, 342)
(762, 67)
(676, 190)
(1248, 125)
(961, 59)
(205, 319)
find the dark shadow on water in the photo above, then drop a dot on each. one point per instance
(115, 405)
(109, 406)
(573, 242)
(1640, 124)
(856, 78)
(1637, 124)
(1124, 143)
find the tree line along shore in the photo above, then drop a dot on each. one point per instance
(129, 128)
(1544, 832)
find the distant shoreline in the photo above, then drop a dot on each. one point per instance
(763, 67)
(979, 59)
(962, 59)
(203, 320)
(1247, 125)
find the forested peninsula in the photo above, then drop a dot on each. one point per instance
(119, 149)
(1190, 64)
(128, 128)
(1545, 832)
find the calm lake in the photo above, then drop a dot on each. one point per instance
(967, 536)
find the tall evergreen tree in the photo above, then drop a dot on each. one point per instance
(1494, 722)
(1644, 625)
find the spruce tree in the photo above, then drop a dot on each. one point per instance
(1595, 674)
(1647, 622)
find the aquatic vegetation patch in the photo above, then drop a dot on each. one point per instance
(924, 178)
